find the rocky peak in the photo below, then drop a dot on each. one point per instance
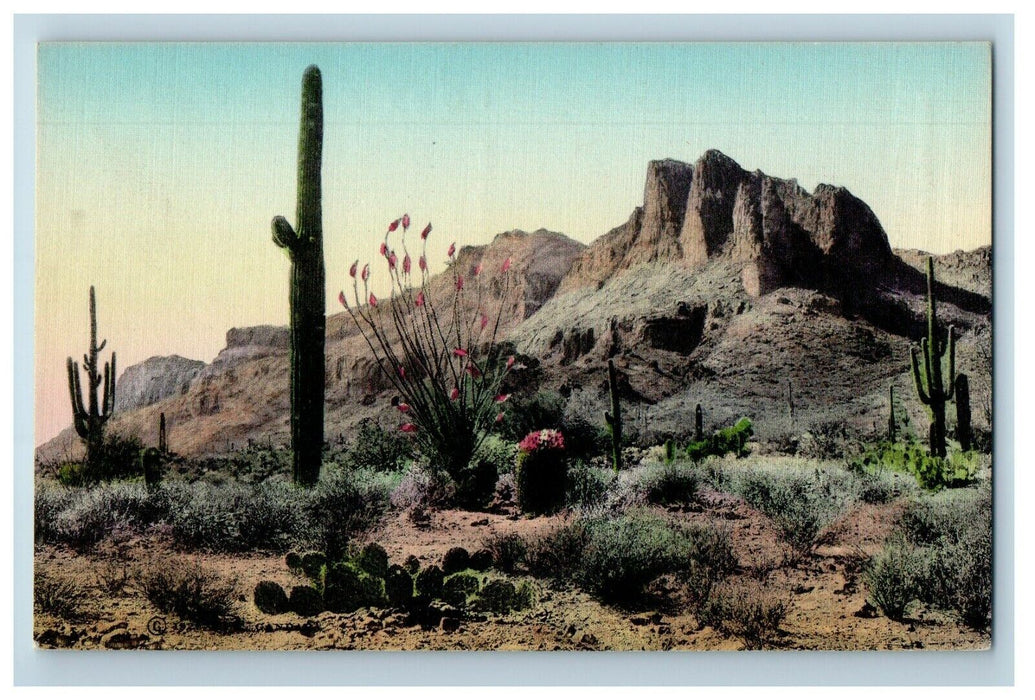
(153, 380)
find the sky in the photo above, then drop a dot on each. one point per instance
(159, 166)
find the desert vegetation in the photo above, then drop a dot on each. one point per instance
(478, 509)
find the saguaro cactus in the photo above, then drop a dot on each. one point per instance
(932, 390)
(163, 445)
(698, 424)
(963, 432)
(614, 416)
(89, 419)
(891, 413)
(304, 248)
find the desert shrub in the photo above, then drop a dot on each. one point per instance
(58, 595)
(588, 485)
(113, 577)
(541, 469)
(525, 596)
(344, 504)
(190, 592)
(270, 598)
(666, 484)
(428, 583)
(374, 560)
(931, 473)
(507, 550)
(422, 488)
(825, 440)
(745, 610)
(93, 513)
(954, 532)
(412, 564)
(893, 577)
(305, 601)
(801, 503)
(378, 449)
(557, 553)
(237, 517)
(49, 501)
(118, 458)
(456, 559)
(544, 409)
(459, 587)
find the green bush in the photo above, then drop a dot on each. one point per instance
(270, 598)
(88, 515)
(344, 504)
(476, 483)
(557, 553)
(399, 586)
(305, 601)
(190, 592)
(893, 577)
(58, 595)
(588, 485)
(745, 610)
(378, 449)
(667, 484)
(313, 563)
(482, 560)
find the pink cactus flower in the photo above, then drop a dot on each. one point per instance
(366, 272)
(403, 407)
(452, 250)
(423, 263)
(406, 221)
(406, 264)
(373, 299)
(341, 299)
(501, 398)
(506, 264)
(408, 428)
(459, 352)
(394, 225)
(454, 394)
(420, 299)
(459, 282)
(425, 232)
(352, 270)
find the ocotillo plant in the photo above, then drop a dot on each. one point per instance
(698, 424)
(438, 351)
(304, 248)
(930, 387)
(963, 432)
(89, 419)
(614, 416)
(163, 446)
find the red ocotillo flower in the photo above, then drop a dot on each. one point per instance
(403, 407)
(394, 225)
(420, 299)
(500, 398)
(425, 232)
(506, 265)
(341, 299)
(510, 362)
(454, 394)
(406, 221)
(408, 428)
(459, 282)
(473, 371)
(352, 270)
(384, 248)
(366, 272)
(423, 263)
(392, 258)
(406, 264)
(372, 299)
(452, 250)
(459, 352)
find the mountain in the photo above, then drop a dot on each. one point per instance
(733, 289)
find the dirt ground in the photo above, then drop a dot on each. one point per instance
(825, 596)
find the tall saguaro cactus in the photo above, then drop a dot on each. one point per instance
(304, 248)
(934, 392)
(89, 418)
(963, 430)
(614, 416)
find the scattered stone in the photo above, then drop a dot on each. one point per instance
(866, 610)
(801, 589)
(122, 639)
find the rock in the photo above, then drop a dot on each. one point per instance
(153, 380)
(449, 624)
(123, 639)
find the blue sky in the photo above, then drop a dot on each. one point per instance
(160, 165)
